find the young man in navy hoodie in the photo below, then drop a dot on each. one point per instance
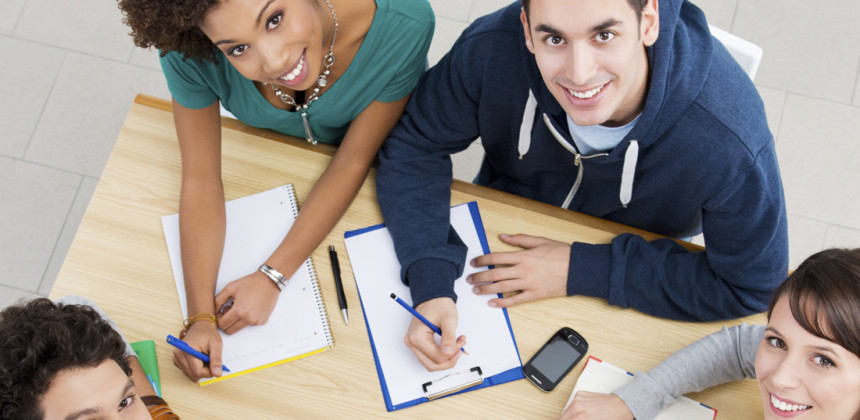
(627, 110)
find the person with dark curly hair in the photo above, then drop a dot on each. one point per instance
(331, 71)
(67, 360)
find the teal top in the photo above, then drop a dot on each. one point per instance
(386, 68)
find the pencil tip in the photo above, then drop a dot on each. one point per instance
(393, 296)
(331, 247)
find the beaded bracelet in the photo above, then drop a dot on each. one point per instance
(199, 317)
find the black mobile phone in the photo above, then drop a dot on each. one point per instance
(555, 359)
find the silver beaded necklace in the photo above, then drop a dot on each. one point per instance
(322, 81)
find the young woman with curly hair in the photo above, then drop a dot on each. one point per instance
(333, 71)
(67, 360)
(806, 360)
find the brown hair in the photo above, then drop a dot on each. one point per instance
(824, 296)
(170, 25)
(41, 339)
(637, 5)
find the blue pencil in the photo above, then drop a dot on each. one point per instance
(181, 345)
(420, 317)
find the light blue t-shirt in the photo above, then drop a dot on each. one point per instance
(597, 138)
(387, 66)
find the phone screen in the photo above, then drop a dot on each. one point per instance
(552, 361)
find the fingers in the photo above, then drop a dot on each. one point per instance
(495, 274)
(224, 296)
(253, 300)
(449, 337)
(524, 241)
(420, 339)
(203, 337)
(513, 300)
(215, 357)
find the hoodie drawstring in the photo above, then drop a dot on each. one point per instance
(631, 157)
(526, 125)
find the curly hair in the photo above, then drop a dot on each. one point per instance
(41, 339)
(170, 25)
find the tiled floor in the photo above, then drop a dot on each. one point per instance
(70, 73)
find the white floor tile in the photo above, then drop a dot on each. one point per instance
(805, 237)
(774, 102)
(841, 237)
(88, 26)
(10, 11)
(35, 203)
(808, 48)
(817, 151)
(146, 58)
(447, 32)
(451, 9)
(11, 296)
(468, 162)
(483, 7)
(70, 227)
(86, 110)
(720, 13)
(24, 89)
(857, 91)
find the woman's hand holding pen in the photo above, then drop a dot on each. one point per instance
(421, 339)
(253, 300)
(203, 337)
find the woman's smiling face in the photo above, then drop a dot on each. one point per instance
(804, 376)
(272, 41)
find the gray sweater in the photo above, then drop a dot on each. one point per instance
(724, 356)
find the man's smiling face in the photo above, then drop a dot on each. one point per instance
(591, 55)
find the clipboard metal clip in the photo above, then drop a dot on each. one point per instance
(453, 382)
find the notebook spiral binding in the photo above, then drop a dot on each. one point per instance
(309, 264)
(311, 269)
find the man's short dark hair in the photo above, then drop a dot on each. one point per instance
(637, 5)
(41, 339)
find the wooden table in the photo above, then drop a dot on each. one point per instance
(119, 259)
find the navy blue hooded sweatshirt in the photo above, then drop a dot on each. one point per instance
(705, 163)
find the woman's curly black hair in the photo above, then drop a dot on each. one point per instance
(40, 339)
(170, 25)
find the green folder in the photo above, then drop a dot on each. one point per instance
(146, 355)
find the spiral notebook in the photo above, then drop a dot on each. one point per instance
(299, 325)
(493, 356)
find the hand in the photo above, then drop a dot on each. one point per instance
(590, 405)
(202, 336)
(254, 298)
(420, 339)
(539, 271)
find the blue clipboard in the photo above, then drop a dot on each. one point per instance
(509, 375)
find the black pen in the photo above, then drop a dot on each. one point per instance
(335, 266)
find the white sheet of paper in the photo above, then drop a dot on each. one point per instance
(256, 225)
(377, 275)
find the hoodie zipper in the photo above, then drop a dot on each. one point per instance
(577, 159)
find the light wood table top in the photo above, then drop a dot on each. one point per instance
(119, 260)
